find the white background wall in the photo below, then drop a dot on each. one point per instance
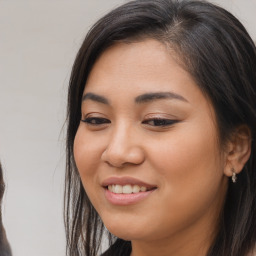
(38, 43)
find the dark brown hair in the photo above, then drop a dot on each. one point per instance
(215, 48)
(5, 249)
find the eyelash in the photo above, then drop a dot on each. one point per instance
(161, 122)
(96, 120)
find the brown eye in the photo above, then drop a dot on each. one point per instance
(96, 120)
(160, 122)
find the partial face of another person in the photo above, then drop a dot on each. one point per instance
(147, 147)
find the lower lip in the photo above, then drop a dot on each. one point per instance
(126, 199)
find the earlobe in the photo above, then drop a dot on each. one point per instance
(238, 151)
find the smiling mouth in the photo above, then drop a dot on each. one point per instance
(127, 189)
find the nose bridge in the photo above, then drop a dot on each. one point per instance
(123, 146)
(120, 136)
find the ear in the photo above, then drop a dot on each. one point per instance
(238, 150)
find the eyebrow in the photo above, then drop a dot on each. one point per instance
(158, 96)
(144, 98)
(95, 97)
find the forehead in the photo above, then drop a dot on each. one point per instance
(140, 67)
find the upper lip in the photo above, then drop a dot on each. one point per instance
(125, 181)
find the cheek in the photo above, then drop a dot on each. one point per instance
(189, 164)
(87, 152)
(189, 148)
(189, 170)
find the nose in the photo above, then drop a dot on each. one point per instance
(123, 148)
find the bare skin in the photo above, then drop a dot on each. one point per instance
(145, 118)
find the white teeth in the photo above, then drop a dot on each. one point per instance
(118, 189)
(135, 189)
(126, 189)
(143, 189)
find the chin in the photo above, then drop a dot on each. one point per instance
(125, 229)
(127, 235)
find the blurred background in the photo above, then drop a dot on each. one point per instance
(38, 43)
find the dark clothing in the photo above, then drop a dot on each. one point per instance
(119, 248)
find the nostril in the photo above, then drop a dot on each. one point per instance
(121, 156)
(116, 164)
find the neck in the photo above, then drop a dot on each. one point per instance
(193, 241)
(190, 245)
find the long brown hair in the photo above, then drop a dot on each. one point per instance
(217, 51)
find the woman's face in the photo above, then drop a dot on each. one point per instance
(147, 146)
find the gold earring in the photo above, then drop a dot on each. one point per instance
(234, 178)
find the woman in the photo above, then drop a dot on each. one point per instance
(161, 134)
(5, 249)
